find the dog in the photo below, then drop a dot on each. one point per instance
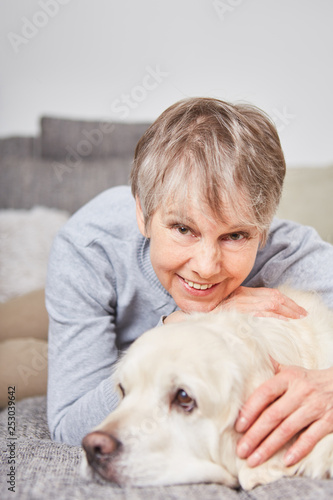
(182, 386)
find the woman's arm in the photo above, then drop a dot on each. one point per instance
(82, 342)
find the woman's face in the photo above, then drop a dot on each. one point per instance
(199, 260)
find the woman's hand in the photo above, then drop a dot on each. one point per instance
(294, 400)
(262, 302)
(256, 301)
(175, 317)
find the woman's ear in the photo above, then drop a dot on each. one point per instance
(140, 217)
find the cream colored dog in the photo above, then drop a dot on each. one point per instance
(182, 386)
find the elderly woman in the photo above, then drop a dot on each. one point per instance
(197, 235)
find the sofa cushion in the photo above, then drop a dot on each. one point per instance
(64, 184)
(86, 140)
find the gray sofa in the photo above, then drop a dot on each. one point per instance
(66, 166)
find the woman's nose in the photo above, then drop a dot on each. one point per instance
(206, 261)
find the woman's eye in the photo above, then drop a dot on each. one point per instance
(236, 236)
(183, 230)
(185, 401)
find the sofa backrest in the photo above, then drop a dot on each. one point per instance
(70, 163)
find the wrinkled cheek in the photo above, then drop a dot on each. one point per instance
(167, 275)
(242, 267)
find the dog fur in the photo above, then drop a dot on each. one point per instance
(218, 360)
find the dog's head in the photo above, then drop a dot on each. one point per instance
(181, 388)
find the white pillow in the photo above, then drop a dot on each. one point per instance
(25, 241)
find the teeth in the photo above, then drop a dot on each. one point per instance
(197, 286)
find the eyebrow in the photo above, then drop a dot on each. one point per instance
(172, 213)
(190, 221)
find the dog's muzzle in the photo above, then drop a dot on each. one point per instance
(101, 449)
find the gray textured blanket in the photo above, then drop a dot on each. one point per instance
(44, 470)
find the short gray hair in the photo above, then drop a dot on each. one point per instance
(220, 150)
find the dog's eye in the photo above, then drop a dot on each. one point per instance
(183, 400)
(122, 390)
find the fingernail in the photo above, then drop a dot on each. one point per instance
(241, 424)
(254, 459)
(289, 459)
(242, 450)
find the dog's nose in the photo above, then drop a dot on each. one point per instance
(98, 444)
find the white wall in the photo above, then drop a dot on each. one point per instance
(81, 58)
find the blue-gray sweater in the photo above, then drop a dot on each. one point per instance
(102, 293)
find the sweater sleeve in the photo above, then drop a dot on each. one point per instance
(295, 255)
(81, 302)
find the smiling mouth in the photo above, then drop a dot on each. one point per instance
(198, 286)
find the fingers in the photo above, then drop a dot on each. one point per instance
(264, 302)
(287, 307)
(293, 401)
(283, 433)
(307, 441)
(254, 420)
(289, 427)
(262, 397)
